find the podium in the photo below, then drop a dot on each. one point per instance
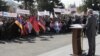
(76, 40)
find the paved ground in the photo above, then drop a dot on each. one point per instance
(67, 50)
(41, 45)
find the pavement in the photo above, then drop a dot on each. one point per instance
(34, 47)
(67, 50)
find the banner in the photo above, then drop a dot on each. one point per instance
(21, 11)
(12, 14)
(40, 13)
(57, 10)
(5, 14)
(96, 12)
(43, 13)
(46, 13)
(65, 11)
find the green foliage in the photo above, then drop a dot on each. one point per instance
(49, 4)
(82, 8)
(42, 4)
(27, 4)
(3, 6)
(93, 4)
(89, 4)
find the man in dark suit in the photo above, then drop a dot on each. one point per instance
(91, 32)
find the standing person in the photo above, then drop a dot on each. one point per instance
(78, 19)
(84, 22)
(1, 23)
(91, 32)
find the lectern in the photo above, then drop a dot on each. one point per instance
(76, 40)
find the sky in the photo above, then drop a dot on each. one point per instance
(68, 2)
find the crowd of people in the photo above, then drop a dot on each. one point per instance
(36, 25)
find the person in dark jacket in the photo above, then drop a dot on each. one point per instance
(91, 32)
(84, 22)
(78, 20)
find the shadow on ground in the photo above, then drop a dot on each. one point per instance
(30, 39)
(19, 40)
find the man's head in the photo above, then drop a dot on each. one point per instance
(89, 11)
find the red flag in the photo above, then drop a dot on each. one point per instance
(21, 24)
(42, 24)
(34, 23)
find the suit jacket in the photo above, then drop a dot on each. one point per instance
(91, 26)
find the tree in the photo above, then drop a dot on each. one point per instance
(49, 4)
(92, 4)
(57, 3)
(27, 4)
(82, 8)
(3, 6)
(42, 4)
